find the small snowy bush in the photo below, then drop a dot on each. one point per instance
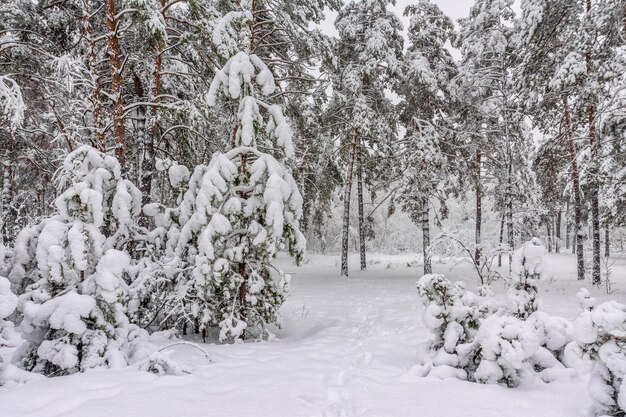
(504, 346)
(601, 332)
(526, 267)
(454, 316)
(73, 274)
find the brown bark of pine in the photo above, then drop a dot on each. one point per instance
(115, 59)
(96, 92)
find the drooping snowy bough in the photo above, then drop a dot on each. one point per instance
(242, 209)
(72, 271)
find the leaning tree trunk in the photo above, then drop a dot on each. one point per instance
(359, 186)
(115, 60)
(428, 267)
(479, 211)
(576, 186)
(345, 239)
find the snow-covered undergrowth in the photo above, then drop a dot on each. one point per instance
(348, 347)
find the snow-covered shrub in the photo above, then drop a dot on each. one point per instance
(75, 292)
(526, 267)
(454, 316)
(8, 303)
(504, 345)
(522, 298)
(601, 333)
(160, 364)
(240, 210)
(528, 261)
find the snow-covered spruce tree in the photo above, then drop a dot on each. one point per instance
(72, 312)
(601, 332)
(244, 207)
(454, 316)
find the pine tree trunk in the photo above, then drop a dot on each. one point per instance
(149, 141)
(557, 241)
(549, 229)
(501, 238)
(115, 60)
(359, 178)
(607, 243)
(567, 226)
(428, 267)
(345, 239)
(576, 186)
(479, 213)
(596, 279)
(595, 204)
(96, 92)
(509, 207)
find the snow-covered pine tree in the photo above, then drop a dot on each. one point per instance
(428, 170)
(368, 56)
(600, 331)
(500, 144)
(72, 308)
(454, 316)
(244, 206)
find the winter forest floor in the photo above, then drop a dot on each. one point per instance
(347, 348)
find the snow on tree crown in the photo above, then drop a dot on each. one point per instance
(243, 74)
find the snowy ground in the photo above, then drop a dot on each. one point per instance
(347, 348)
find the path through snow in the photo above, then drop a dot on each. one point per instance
(347, 348)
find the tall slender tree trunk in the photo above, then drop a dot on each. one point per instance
(479, 208)
(96, 91)
(115, 59)
(345, 239)
(568, 226)
(557, 241)
(593, 186)
(509, 205)
(549, 230)
(501, 237)
(576, 186)
(359, 185)
(150, 140)
(428, 267)
(607, 243)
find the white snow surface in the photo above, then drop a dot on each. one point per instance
(348, 347)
